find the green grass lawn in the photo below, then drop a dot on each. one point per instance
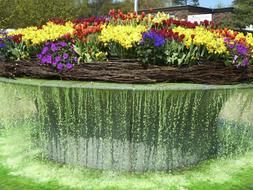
(9, 182)
(20, 170)
(240, 181)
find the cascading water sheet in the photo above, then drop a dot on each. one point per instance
(131, 127)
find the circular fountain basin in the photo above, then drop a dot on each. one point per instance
(158, 127)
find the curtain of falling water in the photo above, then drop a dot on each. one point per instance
(130, 130)
(235, 124)
(137, 130)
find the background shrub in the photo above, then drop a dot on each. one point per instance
(23, 13)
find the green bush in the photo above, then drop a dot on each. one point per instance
(23, 13)
(243, 13)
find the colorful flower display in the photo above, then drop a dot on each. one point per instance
(58, 54)
(240, 52)
(152, 39)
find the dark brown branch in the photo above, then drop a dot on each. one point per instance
(126, 71)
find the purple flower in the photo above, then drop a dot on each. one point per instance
(235, 59)
(227, 40)
(54, 48)
(49, 59)
(57, 58)
(231, 46)
(2, 45)
(59, 54)
(65, 56)
(63, 44)
(40, 56)
(245, 62)
(242, 49)
(69, 66)
(157, 39)
(60, 67)
(44, 60)
(44, 50)
(75, 59)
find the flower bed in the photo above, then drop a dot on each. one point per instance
(163, 50)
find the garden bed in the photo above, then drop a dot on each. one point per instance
(128, 71)
(167, 50)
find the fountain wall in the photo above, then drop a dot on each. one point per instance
(131, 127)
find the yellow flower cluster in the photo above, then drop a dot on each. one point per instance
(23, 31)
(248, 37)
(50, 31)
(160, 17)
(239, 36)
(202, 36)
(126, 36)
(249, 40)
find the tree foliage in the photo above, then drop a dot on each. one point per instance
(102, 7)
(187, 2)
(219, 4)
(195, 2)
(181, 2)
(22, 13)
(146, 4)
(243, 15)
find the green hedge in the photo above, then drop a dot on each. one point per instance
(23, 13)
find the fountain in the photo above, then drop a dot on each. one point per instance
(136, 128)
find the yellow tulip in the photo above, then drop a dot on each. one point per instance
(126, 36)
(50, 31)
